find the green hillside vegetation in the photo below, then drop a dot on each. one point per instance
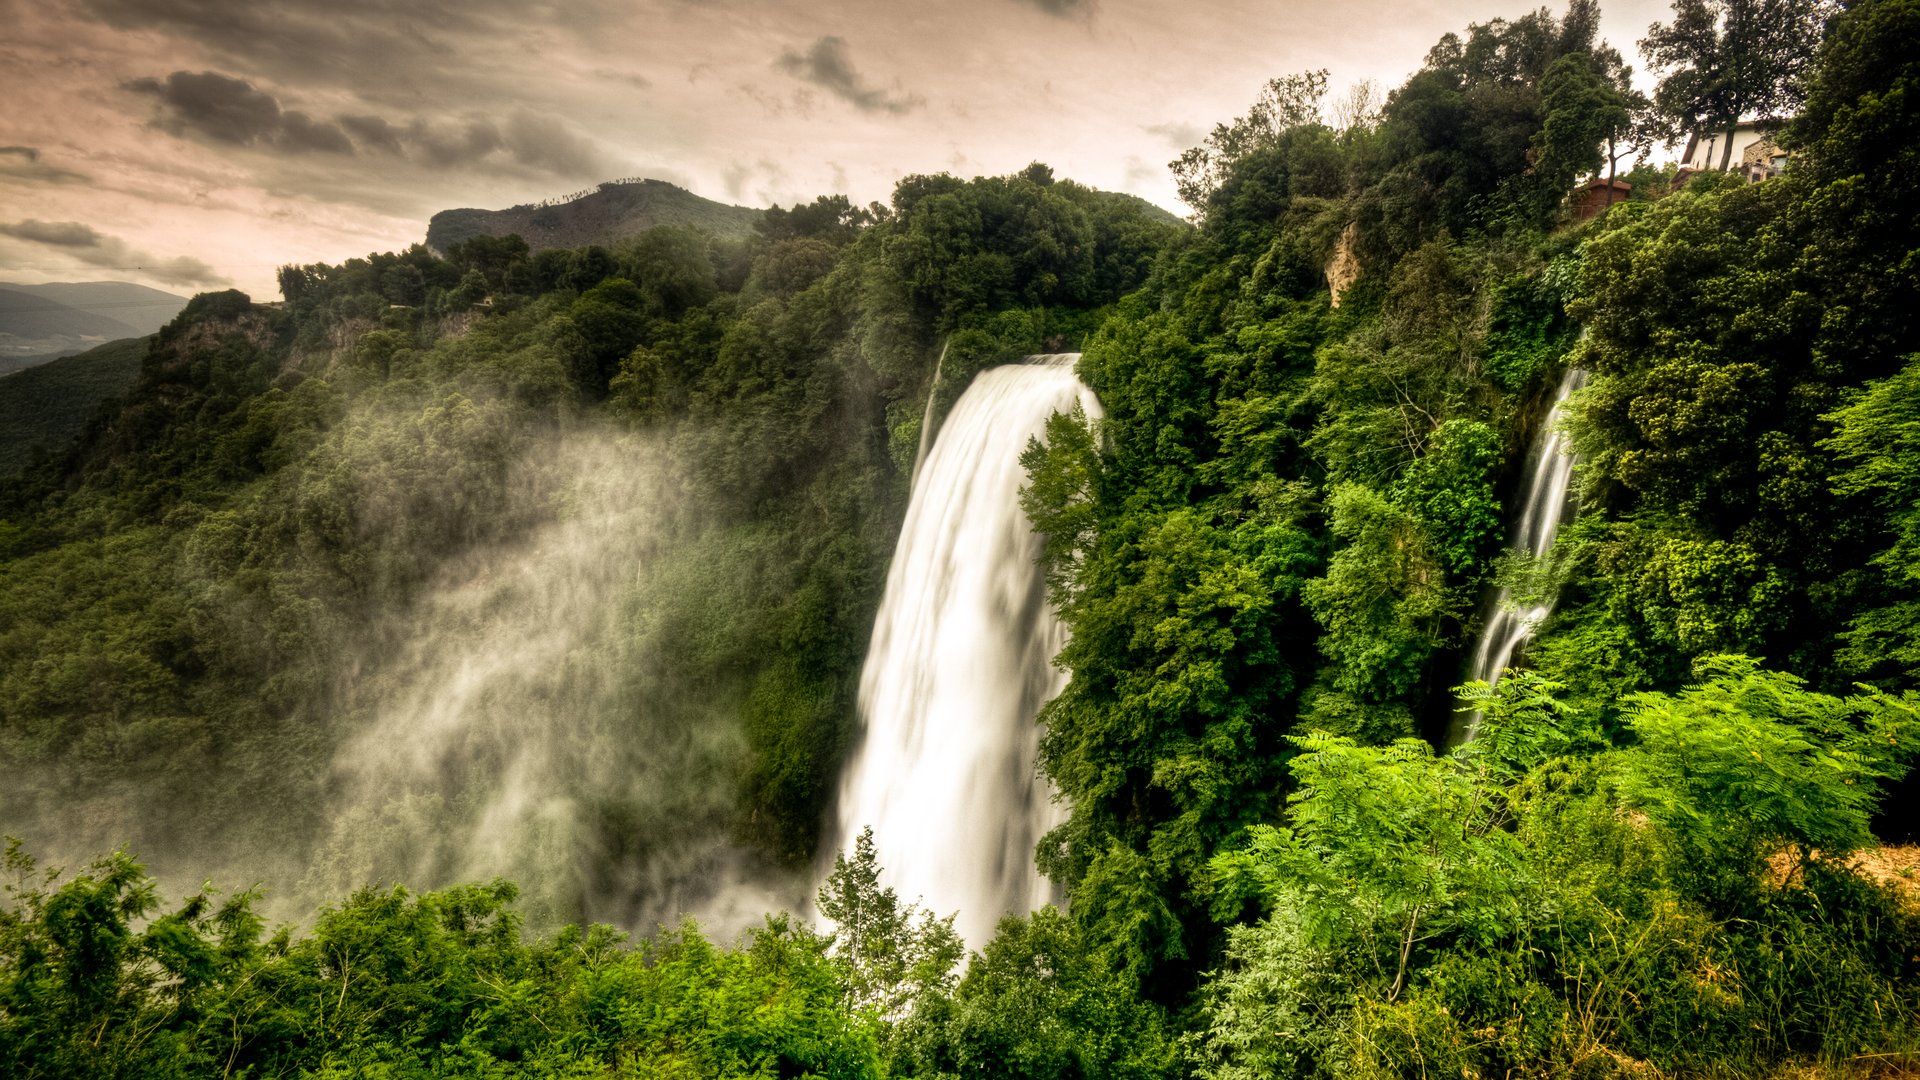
(1661, 858)
(44, 408)
(612, 212)
(281, 486)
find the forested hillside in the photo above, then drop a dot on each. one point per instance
(215, 598)
(45, 407)
(609, 213)
(1661, 856)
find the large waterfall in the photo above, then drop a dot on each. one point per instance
(1546, 503)
(960, 663)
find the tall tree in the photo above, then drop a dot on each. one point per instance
(1287, 102)
(1584, 104)
(1728, 59)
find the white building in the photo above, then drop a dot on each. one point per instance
(1705, 149)
(1754, 153)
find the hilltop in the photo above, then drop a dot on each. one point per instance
(613, 211)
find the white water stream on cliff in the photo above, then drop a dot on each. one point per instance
(960, 663)
(1546, 504)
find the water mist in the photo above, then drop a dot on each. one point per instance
(525, 726)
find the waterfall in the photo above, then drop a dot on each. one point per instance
(926, 418)
(1547, 503)
(960, 663)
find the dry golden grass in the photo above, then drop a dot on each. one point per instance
(1897, 865)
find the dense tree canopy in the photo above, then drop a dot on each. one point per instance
(1274, 553)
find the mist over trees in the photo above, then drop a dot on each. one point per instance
(1661, 857)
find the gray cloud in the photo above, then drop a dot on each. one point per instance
(298, 131)
(53, 233)
(224, 109)
(1178, 136)
(229, 110)
(360, 43)
(827, 65)
(23, 163)
(1062, 8)
(88, 245)
(375, 133)
(540, 144)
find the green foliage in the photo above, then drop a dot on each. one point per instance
(1748, 761)
(1038, 1003)
(1266, 552)
(44, 408)
(94, 983)
(1729, 325)
(1450, 489)
(1879, 435)
(1583, 111)
(1529, 904)
(1380, 600)
(1453, 147)
(1726, 60)
(1284, 106)
(1384, 847)
(1528, 331)
(281, 490)
(888, 957)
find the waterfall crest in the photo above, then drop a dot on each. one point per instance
(1546, 504)
(959, 664)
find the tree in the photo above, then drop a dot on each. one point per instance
(1878, 435)
(1381, 597)
(1284, 103)
(1039, 1002)
(1584, 106)
(890, 954)
(1726, 60)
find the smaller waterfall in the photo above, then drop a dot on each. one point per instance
(960, 662)
(1546, 504)
(926, 418)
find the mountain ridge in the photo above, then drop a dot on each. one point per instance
(609, 212)
(59, 318)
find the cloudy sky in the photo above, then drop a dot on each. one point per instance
(190, 144)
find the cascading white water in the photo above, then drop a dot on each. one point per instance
(926, 418)
(959, 665)
(1545, 505)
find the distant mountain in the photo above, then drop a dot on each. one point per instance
(610, 212)
(144, 309)
(49, 405)
(40, 322)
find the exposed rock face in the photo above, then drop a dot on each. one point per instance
(1344, 269)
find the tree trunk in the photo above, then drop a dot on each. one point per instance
(1726, 156)
(1406, 947)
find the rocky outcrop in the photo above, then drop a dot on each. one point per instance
(1344, 268)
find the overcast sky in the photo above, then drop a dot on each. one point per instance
(191, 144)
